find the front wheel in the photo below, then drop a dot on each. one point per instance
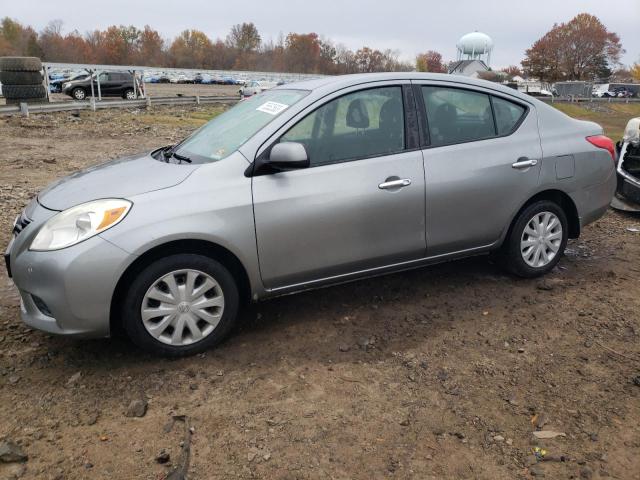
(181, 305)
(537, 240)
(129, 94)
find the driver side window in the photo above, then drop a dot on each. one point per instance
(358, 125)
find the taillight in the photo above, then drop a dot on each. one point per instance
(606, 143)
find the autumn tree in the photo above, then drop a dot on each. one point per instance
(16, 39)
(120, 44)
(635, 72)
(302, 52)
(582, 49)
(191, 49)
(150, 48)
(368, 60)
(492, 76)
(244, 37)
(430, 61)
(512, 71)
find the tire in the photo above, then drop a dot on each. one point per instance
(21, 78)
(30, 101)
(514, 251)
(127, 92)
(24, 92)
(78, 93)
(20, 64)
(176, 267)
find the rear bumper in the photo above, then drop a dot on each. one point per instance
(592, 202)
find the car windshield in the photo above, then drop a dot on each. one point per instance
(227, 132)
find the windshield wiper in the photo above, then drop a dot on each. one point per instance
(169, 152)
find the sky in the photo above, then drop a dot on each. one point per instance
(409, 26)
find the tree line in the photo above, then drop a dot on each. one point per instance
(242, 49)
(580, 49)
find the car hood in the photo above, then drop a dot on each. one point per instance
(120, 178)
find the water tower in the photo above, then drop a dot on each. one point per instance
(475, 46)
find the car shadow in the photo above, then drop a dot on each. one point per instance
(378, 316)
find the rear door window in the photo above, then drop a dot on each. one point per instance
(361, 124)
(456, 115)
(508, 115)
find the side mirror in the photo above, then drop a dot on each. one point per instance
(288, 156)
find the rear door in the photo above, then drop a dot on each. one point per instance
(116, 83)
(360, 205)
(482, 159)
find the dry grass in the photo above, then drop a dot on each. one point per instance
(182, 118)
(612, 116)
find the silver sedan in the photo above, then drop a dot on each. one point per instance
(302, 186)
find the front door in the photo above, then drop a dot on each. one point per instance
(360, 204)
(482, 163)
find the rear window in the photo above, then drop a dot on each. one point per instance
(455, 115)
(508, 115)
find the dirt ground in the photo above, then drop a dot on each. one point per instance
(439, 373)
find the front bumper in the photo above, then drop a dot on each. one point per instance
(68, 291)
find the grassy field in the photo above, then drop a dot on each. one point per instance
(612, 116)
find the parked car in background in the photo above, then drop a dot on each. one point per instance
(112, 84)
(207, 79)
(599, 90)
(55, 86)
(378, 172)
(628, 169)
(254, 87)
(151, 78)
(618, 92)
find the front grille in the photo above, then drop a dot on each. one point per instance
(21, 223)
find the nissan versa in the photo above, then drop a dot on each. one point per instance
(301, 186)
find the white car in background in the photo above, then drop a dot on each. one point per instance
(254, 87)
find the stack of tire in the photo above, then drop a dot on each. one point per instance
(21, 79)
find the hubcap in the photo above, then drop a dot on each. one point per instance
(541, 239)
(80, 94)
(182, 307)
(131, 95)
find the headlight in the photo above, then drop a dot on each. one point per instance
(79, 223)
(65, 85)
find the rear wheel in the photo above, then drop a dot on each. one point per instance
(537, 240)
(181, 305)
(79, 93)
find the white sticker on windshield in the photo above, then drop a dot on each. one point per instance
(272, 108)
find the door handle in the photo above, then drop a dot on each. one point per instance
(524, 162)
(391, 184)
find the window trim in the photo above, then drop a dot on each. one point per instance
(335, 96)
(424, 124)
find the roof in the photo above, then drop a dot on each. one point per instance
(461, 65)
(327, 85)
